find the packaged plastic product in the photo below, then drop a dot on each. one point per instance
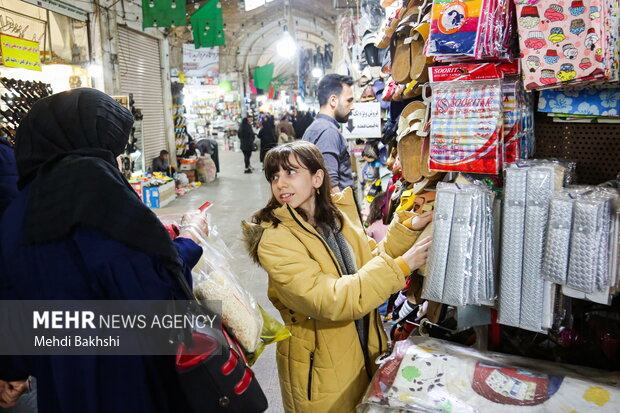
(467, 119)
(461, 265)
(582, 243)
(526, 299)
(470, 30)
(430, 375)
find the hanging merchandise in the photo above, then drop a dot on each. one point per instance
(163, 13)
(470, 30)
(564, 44)
(525, 299)
(467, 119)
(582, 243)
(461, 264)
(596, 103)
(428, 375)
(208, 25)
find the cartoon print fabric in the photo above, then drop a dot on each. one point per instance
(430, 375)
(563, 41)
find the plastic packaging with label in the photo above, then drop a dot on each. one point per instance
(430, 375)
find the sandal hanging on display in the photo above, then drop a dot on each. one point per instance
(410, 142)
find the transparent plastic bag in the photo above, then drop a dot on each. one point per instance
(273, 331)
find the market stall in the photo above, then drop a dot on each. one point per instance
(507, 135)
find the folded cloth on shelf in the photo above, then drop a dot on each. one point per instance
(568, 46)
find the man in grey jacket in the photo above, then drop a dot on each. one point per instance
(336, 101)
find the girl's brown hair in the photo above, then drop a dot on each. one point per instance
(309, 157)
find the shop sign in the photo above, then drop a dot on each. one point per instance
(364, 122)
(18, 52)
(61, 7)
(202, 63)
(22, 26)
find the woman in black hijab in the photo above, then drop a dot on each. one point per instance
(78, 231)
(246, 137)
(267, 136)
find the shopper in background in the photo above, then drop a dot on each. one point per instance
(326, 279)
(377, 230)
(162, 162)
(78, 231)
(336, 101)
(247, 136)
(267, 136)
(286, 133)
(191, 151)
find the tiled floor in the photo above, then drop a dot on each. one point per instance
(235, 196)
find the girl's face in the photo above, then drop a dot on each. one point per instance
(296, 186)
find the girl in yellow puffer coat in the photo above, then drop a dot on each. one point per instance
(326, 277)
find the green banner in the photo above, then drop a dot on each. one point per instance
(263, 76)
(208, 25)
(163, 13)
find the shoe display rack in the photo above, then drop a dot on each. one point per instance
(18, 96)
(178, 116)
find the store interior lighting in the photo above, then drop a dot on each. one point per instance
(95, 70)
(286, 47)
(317, 73)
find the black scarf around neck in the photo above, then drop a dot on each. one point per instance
(66, 149)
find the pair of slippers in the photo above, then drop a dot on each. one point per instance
(408, 62)
(414, 142)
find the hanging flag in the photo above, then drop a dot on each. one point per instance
(208, 25)
(263, 76)
(163, 13)
(272, 92)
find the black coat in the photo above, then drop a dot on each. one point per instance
(268, 140)
(246, 136)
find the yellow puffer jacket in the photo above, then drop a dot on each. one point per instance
(322, 367)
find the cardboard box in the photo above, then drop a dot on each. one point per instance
(137, 186)
(188, 164)
(191, 175)
(151, 197)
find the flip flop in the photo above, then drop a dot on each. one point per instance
(400, 49)
(419, 61)
(409, 140)
(393, 22)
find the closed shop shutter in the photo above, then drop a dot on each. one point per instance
(140, 74)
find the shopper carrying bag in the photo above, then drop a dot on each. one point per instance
(77, 230)
(326, 277)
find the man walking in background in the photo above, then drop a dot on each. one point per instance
(336, 101)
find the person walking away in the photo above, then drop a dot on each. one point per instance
(267, 136)
(326, 278)
(78, 231)
(246, 137)
(162, 162)
(286, 131)
(336, 102)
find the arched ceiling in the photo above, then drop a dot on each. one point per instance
(251, 37)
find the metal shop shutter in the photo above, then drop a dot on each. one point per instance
(139, 63)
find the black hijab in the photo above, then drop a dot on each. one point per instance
(66, 151)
